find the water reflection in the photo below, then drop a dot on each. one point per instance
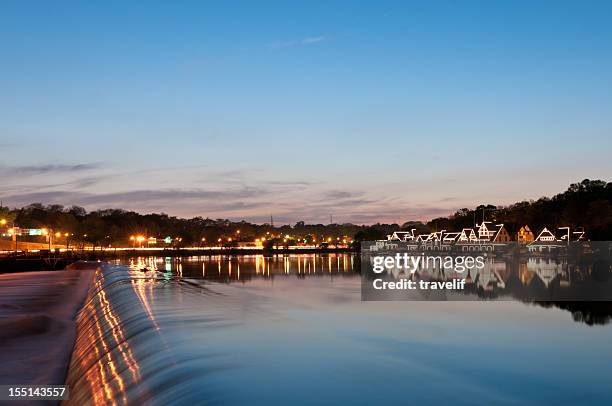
(266, 331)
(531, 278)
(548, 282)
(222, 268)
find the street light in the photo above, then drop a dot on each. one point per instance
(47, 234)
(13, 233)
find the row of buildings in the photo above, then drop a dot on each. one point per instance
(487, 232)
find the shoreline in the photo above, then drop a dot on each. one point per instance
(38, 322)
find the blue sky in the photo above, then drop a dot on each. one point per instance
(372, 111)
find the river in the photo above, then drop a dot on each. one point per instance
(293, 330)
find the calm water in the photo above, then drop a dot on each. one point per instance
(293, 330)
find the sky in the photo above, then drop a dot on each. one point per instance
(364, 111)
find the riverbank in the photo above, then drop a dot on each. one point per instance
(37, 322)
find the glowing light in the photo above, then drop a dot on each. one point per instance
(545, 235)
(3, 222)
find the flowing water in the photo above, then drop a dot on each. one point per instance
(292, 330)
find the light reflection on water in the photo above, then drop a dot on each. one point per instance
(244, 268)
(278, 334)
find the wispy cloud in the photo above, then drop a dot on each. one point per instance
(312, 40)
(171, 195)
(133, 198)
(48, 168)
(246, 202)
(340, 194)
(246, 198)
(293, 43)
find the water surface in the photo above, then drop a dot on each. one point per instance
(292, 329)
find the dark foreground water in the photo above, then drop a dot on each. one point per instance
(292, 330)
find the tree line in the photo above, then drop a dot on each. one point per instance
(586, 205)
